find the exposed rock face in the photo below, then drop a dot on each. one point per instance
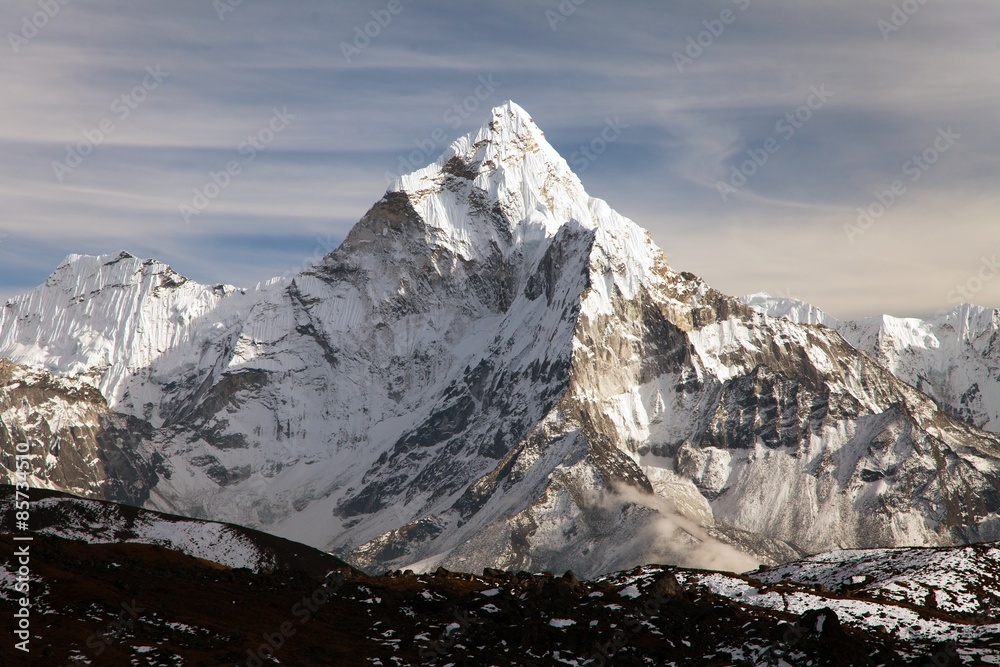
(497, 370)
(72, 440)
(953, 357)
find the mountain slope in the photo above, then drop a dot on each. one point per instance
(61, 434)
(497, 370)
(68, 517)
(953, 357)
(108, 320)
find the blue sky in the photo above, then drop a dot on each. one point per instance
(832, 99)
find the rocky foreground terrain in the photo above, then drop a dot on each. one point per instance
(114, 585)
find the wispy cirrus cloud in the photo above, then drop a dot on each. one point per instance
(783, 230)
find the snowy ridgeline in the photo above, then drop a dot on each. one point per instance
(953, 357)
(98, 522)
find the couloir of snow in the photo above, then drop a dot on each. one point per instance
(496, 369)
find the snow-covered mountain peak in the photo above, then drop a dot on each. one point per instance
(80, 277)
(502, 184)
(81, 269)
(104, 317)
(509, 136)
(969, 320)
(509, 140)
(790, 309)
(75, 259)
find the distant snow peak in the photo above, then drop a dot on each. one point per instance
(790, 309)
(111, 257)
(954, 357)
(98, 271)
